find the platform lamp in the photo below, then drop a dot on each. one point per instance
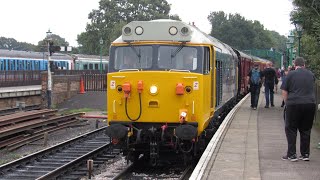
(291, 42)
(49, 84)
(101, 43)
(289, 45)
(298, 26)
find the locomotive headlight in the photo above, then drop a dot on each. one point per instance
(127, 31)
(184, 31)
(139, 30)
(153, 90)
(173, 30)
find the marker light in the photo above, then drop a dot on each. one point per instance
(173, 30)
(184, 31)
(153, 90)
(127, 30)
(139, 30)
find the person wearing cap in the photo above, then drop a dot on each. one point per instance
(298, 94)
(255, 85)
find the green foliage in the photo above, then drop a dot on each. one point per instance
(308, 13)
(57, 41)
(112, 15)
(243, 34)
(12, 44)
(311, 53)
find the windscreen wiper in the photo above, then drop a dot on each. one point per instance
(177, 50)
(135, 50)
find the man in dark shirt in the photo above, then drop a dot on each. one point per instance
(270, 79)
(299, 97)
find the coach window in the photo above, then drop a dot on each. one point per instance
(20, 65)
(36, 66)
(29, 66)
(9, 65)
(90, 66)
(96, 66)
(85, 66)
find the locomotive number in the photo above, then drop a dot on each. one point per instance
(112, 84)
(195, 85)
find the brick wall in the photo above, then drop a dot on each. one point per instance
(63, 88)
(8, 103)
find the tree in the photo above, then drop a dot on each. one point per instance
(308, 13)
(57, 41)
(12, 44)
(244, 34)
(112, 15)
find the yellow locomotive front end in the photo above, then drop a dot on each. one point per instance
(160, 89)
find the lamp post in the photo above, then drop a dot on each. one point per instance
(101, 43)
(298, 25)
(290, 43)
(49, 84)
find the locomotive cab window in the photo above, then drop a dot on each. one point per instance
(157, 57)
(133, 57)
(177, 57)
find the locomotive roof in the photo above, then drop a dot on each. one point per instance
(158, 30)
(4, 53)
(161, 30)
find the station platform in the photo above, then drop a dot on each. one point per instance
(18, 91)
(252, 145)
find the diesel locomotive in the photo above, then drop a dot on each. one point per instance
(169, 85)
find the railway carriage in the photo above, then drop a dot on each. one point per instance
(12, 60)
(90, 62)
(158, 103)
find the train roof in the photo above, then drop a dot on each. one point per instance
(167, 30)
(4, 53)
(86, 57)
(255, 58)
(242, 54)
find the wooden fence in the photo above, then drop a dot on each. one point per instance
(19, 78)
(95, 82)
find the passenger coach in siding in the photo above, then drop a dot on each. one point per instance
(13, 60)
(169, 86)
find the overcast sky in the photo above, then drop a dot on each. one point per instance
(29, 20)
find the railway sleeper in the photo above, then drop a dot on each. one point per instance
(35, 172)
(44, 168)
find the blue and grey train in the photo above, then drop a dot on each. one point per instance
(12, 60)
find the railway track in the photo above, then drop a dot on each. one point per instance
(63, 161)
(139, 170)
(22, 128)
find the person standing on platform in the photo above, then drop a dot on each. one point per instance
(270, 79)
(283, 83)
(255, 81)
(299, 96)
